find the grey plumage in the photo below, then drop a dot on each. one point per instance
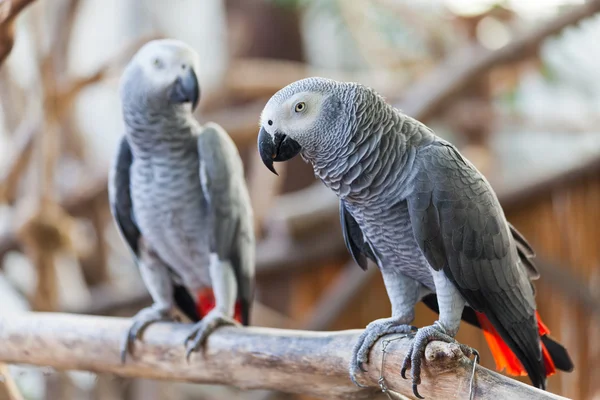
(411, 203)
(178, 194)
(232, 233)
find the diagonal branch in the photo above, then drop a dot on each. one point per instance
(313, 363)
(9, 9)
(430, 94)
(9, 388)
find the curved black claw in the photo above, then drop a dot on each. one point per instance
(416, 391)
(372, 333)
(141, 321)
(201, 330)
(415, 355)
(406, 363)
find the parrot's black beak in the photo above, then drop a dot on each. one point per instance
(186, 88)
(282, 148)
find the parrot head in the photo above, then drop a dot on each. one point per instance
(300, 119)
(162, 73)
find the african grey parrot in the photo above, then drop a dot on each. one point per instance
(414, 205)
(178, 195)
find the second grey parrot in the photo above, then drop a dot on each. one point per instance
(178, 195)
(410, 202)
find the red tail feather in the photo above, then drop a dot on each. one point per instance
(504, 356)
(548, 362)
(206, 302)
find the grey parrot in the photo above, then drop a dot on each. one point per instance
(178, 196)
(411, 203)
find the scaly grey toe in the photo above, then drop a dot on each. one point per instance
(141, 321)
(415, 355)
(201, 330)
(372, 333)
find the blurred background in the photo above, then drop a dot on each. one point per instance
(515, 84)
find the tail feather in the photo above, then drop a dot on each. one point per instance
(206, 302)
(554, 355)
(504, 357)
(559, 354)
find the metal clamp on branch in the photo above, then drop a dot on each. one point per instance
(313, 363)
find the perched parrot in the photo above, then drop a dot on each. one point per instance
(411, 203)
(178, 196)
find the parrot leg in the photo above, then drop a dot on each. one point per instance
(201, 330)
(224, 284)
(141, 320)
(416, 353)
(404, 294)
(372, 333)
(451, 304)
(155, 275)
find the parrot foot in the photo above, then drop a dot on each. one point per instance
(373, 331)
(416, 353)
(141, 320)
(201, 330)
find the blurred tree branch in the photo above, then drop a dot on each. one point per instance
(255, 78)
(252, 78)
(8, 386)
(425, 99)
(307, 362)
(19, 159)
(9, 9)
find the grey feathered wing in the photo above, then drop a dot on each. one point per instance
(121, 207)
(119, 195)
(232, 238)
(359, 248)
(460, 228)
(361, 251)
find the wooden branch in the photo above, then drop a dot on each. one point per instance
(66, 17)
(313, 363)
(9, 9)
(21, 155)
(63, 100)
(9, 388)
(75, 204)
(252, 78)
(431, 93)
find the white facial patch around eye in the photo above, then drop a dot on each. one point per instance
(303, 98)
(162, 65)
(302, 121)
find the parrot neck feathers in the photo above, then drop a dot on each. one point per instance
(377, 142)
(146, 130)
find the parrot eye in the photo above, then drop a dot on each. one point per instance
(300, 107)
